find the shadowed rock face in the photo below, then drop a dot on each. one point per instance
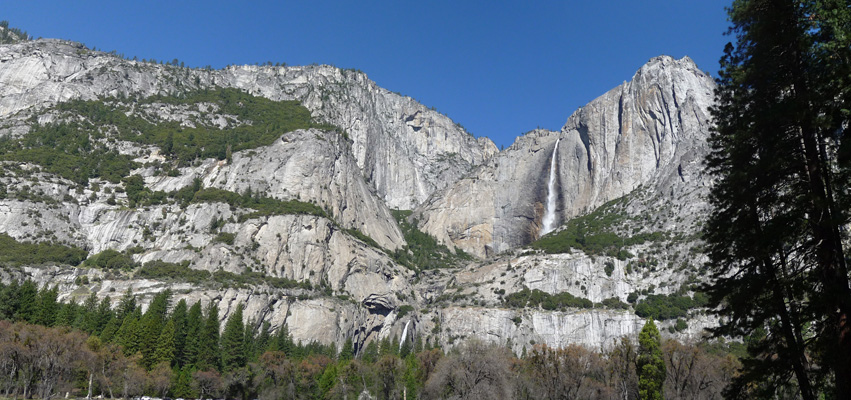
(649, 131)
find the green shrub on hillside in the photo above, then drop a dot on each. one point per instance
(422, 250)
(594, 234)
(15, 253)
(111, 259)
(76, 149)
(534, 298)
(671, 306)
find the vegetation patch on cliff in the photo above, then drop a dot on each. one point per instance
(597, 234)
(422, 250)
(535, 298)
(15, 253)
(81, 144)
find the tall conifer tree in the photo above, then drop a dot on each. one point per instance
(208, 344)
(774, 238)
(650, 364)
(233, 341)
(194, 324)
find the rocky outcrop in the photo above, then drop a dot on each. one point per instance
(406, 151)
(643, 140)
(649, 131)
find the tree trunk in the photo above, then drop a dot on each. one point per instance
(91, 378)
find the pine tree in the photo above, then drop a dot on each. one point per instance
(8, 300)
(126, 306)
(370, 352)
(104, 315)
(194, 322)
(249, 340)
(47, 306)
(66, 314)
(776, 248)
(109, 331)
(348, 350)
(128, 334)
(88, 319)
(284, 342)
(179, 321)
(27, 301)
(263, 340)
(151, 326)
(650, 364)
(411, 376)
(208, 344)
(165, 345)
(233, 342)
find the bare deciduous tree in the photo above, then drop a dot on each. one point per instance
(475, 371)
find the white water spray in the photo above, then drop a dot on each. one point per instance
(550, 211)
(404, 333)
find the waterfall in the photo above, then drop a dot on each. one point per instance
(404, 333)
(550, 211)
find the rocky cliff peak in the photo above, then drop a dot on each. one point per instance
(643, 132)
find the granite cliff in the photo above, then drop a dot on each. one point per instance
(301, 227)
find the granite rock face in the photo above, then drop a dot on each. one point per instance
(406, 151)
(646, 132)
(642, 141)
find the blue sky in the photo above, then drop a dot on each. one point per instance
(498, 68)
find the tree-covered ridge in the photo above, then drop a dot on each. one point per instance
(81, 143)
(174, 349)
(11, 35)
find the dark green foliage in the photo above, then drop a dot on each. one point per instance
(362, 237)
(615, 303)
(15, 253)
(534, 298)
(194, 324)
(165, 350)
(126, 306)
(111, 259)
(151, 327)
(422, 251)
(12, 35)
(777, 231)
(209, 355)
(670, 306)
(233, 343)
(348, 350)
(609, 268)
(128, 334)
(225, 237)
(182, 273)
(179, 318)
(75, 150)
(26, 298)
(650, 364)
(47, 306)
(67, 151)
(404, 310)
(593, 234)
(632, 297)
(263, 206)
